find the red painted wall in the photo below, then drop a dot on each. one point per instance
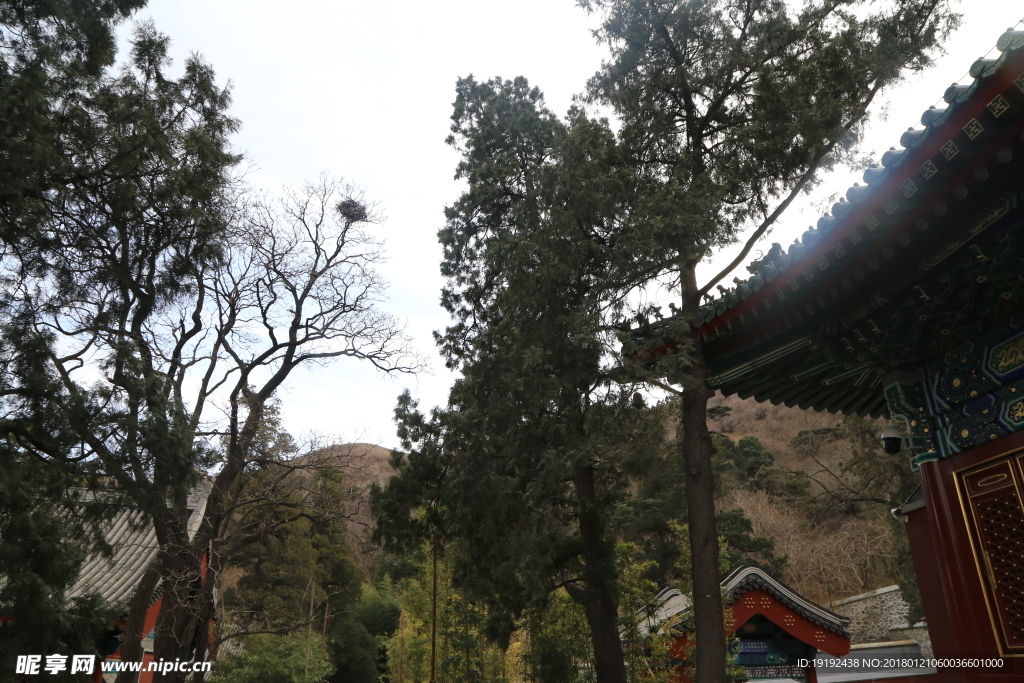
(951, 588)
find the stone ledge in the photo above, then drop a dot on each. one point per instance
(864, 596)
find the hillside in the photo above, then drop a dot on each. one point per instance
(362, 464)
(834, 548)
(838, 541)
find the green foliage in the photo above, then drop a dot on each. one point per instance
(726, 120)
(303, 570)
(557, 649)
(463, 651)
(47, 531)
(815, 438)
(718, 412)
(379, 608)
(740, 546)
(293, 658)
(749, 464)
(748, 457)
(647, 643)
(52, 55)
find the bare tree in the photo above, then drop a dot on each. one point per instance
(297, 287)
(190, 327)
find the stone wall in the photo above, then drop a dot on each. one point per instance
(880, 616)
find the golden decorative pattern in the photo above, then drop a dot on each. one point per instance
(928, 169)
(973, 129)
(889, 206)
(908, 187)
(1009, 355)
(838, 249)
(1020, 82)
(808, 275)
(853, 236)
(954, 243)
(949, 150)
(822, 262)
(998, 106)
(1002, 527)
(994, 479)
(1016, 411)
(870, 222)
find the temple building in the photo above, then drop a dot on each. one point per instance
(115, 578)
(907, 302)
(777, 631)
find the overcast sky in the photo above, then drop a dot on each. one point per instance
(363, 90)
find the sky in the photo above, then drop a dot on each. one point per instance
(364, 91)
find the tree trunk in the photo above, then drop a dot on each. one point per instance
(206, 613)
(433, 615)
(700, 499)
(138, 608)
(180, 608)
(597, 596)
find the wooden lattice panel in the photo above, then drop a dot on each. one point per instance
(995, 514)
(1002, 520)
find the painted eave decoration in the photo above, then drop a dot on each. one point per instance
(928, 246)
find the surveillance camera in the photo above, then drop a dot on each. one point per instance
(892, 440)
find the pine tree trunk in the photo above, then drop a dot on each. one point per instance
(180, 604)
(700, 500)
(433, 614)
(597, 596)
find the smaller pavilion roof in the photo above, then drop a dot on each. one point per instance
(746, 579)
(673, 603)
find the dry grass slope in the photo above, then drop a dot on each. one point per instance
(829, 558)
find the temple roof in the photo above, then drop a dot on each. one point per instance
(672, 603)
(745, 579)
(933, 120)
(926, 246)
(133, 540)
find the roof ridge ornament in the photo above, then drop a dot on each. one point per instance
(1010, 40)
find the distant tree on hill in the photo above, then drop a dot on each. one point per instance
(718, 412)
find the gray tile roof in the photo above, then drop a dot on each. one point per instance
(134, 543)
